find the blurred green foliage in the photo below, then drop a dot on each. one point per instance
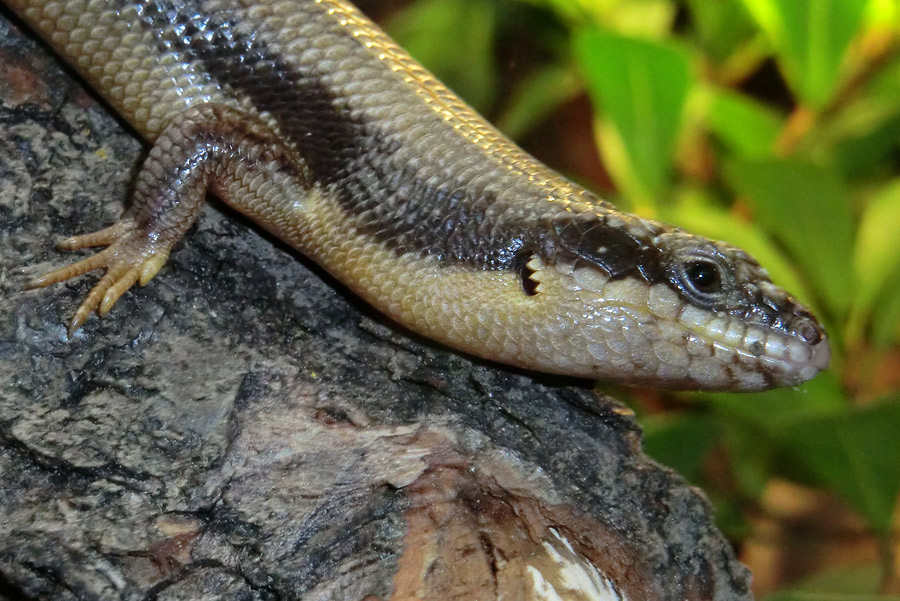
(802, 171)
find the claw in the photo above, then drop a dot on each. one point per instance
(152, 265)
(91, 302)
(70, 271)
(125, 281)
(130, 257)
(104, 237)
(118, 278)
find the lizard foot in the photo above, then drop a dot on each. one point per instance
(130, 256)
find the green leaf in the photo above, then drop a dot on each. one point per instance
(721, 25)
(885, 328)
(731, 515)
(645, 18)
(681, 442)
(579, 12)
(750, 456)
(747, 127)
(877, 249)
(854, 583)
(454, 39)
(811, 38)
(863, 152)
(807, 208)
(877, 256)
(539, 95)
(857, 455)
(884, 13)
(640, 88)
(865, 131)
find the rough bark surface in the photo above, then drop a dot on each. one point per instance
(243, 428)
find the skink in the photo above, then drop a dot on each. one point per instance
(307, 118)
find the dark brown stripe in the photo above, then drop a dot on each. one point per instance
(242, 64)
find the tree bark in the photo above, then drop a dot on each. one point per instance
(244, 428)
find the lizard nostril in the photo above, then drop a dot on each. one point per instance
(807, 329)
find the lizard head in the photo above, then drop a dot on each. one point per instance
(657, 306)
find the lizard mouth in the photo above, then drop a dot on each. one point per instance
(799, 362)
(756, 357)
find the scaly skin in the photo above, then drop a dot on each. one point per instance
(303, 115)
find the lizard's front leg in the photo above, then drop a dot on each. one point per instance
(207, 147)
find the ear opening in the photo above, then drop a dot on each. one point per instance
(529, 285)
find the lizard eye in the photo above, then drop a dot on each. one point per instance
(703, 276)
